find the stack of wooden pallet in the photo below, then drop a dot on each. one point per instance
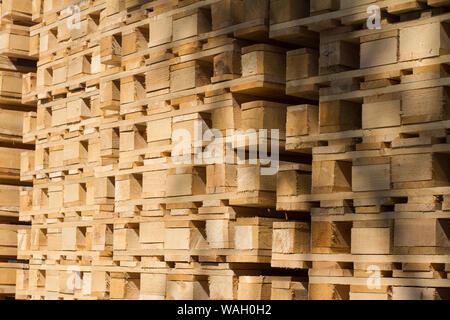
(15, 20)
(128, 202)
(379, 136)
(114, 215)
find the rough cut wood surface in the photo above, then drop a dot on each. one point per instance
(358, 207)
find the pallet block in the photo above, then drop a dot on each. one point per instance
(424, 41)
(331, 176)
(226, 13)
(190, 75)
(328, 292)
(416, 293)
(287, 10)
(249, 178)
(293, 183)
(153, 286)
(15, 41)
(381, 114)
(371, 240)
(371, 177)
(223, 287)
(339, 116)
(184, 235)
(253, 233)
(264, 60)
(221, 178)
(267, 115)
(186, 288)
(302, 120)
(433, 233)
(291, 237)
(191, 24)
(301, 63)
(433, 102)
(421, 169)
(330, 237)
(254, 288)
(189, 183)
(338, 56)
(370, 52)
(289, 289)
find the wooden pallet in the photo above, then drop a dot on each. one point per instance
(16, 63)
(363, 122)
